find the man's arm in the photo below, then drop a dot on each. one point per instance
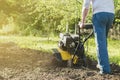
(83, 17)
(85, 9)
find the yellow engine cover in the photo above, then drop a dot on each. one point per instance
(64, 54)
(67, 56)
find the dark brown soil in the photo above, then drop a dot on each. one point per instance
(27, 64)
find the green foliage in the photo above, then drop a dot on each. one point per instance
(117, 11)
(43, 17)
(46, 16)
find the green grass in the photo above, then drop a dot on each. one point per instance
(38, 43)
(46, 44)
(113, 50)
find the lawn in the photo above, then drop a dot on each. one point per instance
(46, 44)
(113, 49)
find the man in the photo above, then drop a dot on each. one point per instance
(103, 16)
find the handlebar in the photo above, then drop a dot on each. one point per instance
(88, 26)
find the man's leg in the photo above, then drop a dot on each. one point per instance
(99, 23)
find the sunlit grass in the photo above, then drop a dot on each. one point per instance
(46, 44)
(38, 43)
(113, 50)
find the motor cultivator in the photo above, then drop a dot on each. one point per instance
(71, 48)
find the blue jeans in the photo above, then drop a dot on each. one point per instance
(101, 24)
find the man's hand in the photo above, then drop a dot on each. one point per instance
(81, 24)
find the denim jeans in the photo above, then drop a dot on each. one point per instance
(101, 24)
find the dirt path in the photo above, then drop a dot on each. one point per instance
(27, 64)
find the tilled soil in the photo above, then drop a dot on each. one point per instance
(27, 64)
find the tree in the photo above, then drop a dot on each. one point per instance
(38, 17)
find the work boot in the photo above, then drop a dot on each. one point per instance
(98, 66)
(101, 72)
